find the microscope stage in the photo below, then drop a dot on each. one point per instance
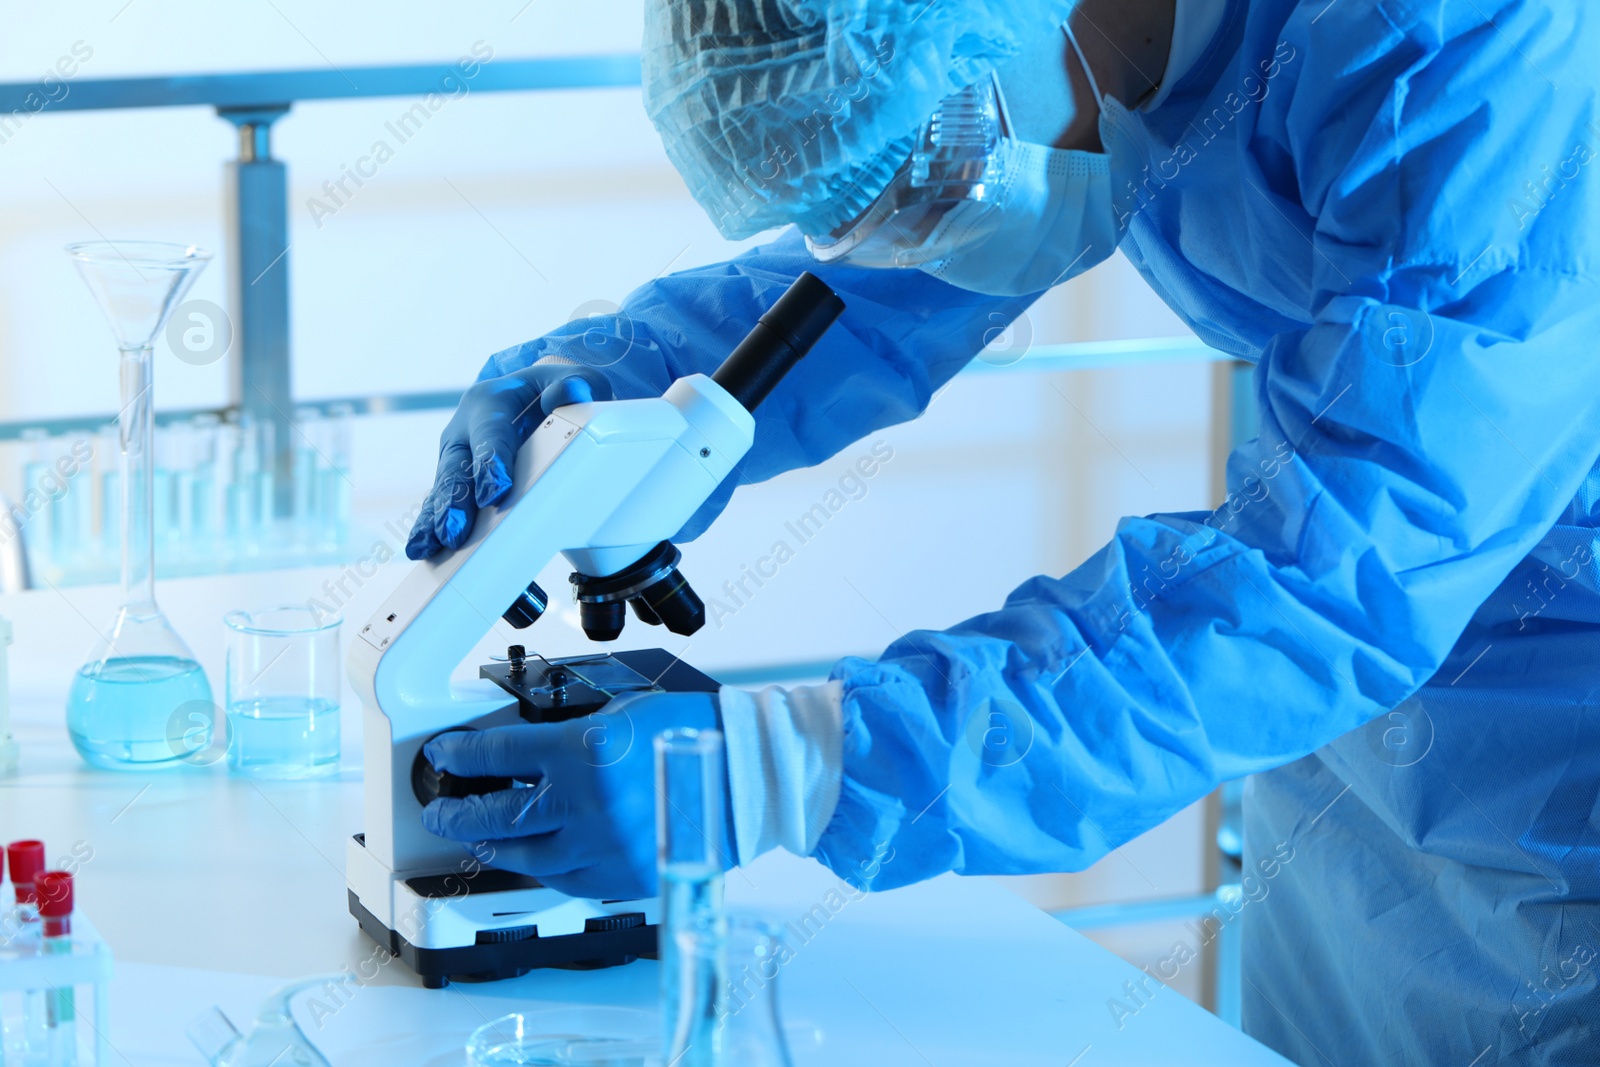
(574, 686)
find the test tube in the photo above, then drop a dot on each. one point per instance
(8, 743)
(250, 488)
(161, 502)
(307, 466)
(81, 494)
(689, 820)
(226, 452)
(204, 504)
(26, 860)
(108, 474)
(335, 492)
(266, 479)
(54, 891)
(64, 532)
(35, 463)
(180, 460)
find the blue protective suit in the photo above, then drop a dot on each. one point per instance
(1391, 207)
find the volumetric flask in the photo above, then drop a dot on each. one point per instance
(141, 677)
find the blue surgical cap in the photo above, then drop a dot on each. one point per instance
(800, 111)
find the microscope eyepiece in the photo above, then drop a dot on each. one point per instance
(780, 337)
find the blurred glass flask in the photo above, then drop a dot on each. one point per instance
(719, 989)
(748, 954)
(273, 1040)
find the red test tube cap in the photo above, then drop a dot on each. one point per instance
(54, 889)
(27, 860)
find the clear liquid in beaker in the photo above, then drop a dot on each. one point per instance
(284, 737)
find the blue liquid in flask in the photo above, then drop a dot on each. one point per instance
(121, 713)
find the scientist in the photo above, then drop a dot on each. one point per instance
(1390, 207)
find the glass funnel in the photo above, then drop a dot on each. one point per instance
(141, 700)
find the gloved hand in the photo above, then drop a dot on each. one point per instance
(586, 826)
(478, 448)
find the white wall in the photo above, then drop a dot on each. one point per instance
(493, 224)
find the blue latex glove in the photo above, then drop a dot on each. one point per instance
(478, 448)
(586, 825)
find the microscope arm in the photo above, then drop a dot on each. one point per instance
(616, 476)
(604, 483)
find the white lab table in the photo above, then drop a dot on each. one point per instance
(211, 889)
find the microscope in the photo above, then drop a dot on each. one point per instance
(606, 485)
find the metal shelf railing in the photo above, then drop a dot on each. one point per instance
(258, 191)
(1081, 355)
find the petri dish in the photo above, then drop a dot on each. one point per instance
(568, 1037)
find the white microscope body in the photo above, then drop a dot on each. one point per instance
(603, 484)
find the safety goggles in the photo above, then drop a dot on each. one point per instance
(956, 168)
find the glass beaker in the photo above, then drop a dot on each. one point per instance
(283, 692)
(141, 677)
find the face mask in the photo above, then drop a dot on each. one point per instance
(1052, 218)
(985, 211)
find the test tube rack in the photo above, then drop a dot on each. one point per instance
(86, 968)
(214, 499)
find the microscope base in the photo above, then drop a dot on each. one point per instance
(437, 967)
(455, 925)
